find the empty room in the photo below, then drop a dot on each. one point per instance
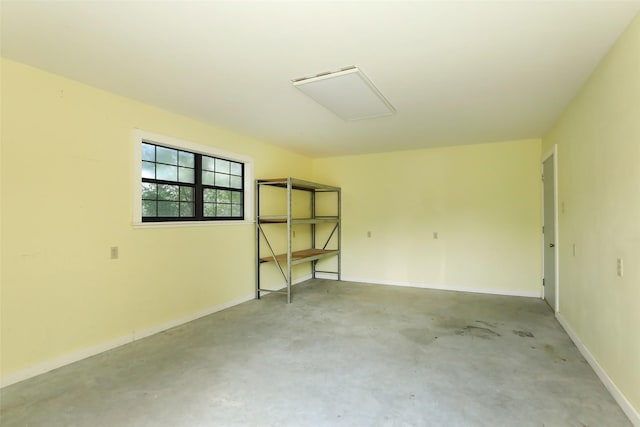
(314, 213)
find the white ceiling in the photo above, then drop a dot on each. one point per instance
(456, 72)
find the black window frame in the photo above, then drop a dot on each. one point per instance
(198, 186)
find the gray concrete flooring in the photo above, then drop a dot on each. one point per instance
(341, 354)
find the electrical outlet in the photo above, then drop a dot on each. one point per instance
(368, 234)
(620, 267)
(114, 252)
(435, 235)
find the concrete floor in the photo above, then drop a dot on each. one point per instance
(342, 354)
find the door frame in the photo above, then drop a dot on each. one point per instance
(552, 152)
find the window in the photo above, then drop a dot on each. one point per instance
(179, 183)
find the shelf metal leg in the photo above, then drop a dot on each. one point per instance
(289, 242)
(339, 192)
(257, 207)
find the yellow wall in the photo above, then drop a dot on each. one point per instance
(598, 139)
(484, 201)
(67, 198)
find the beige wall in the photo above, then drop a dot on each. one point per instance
(67, 198)
(598, 139)
(484, 201)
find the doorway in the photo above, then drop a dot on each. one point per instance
(550, 230)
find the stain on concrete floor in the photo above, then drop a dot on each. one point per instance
(419, 336)
(475, 331)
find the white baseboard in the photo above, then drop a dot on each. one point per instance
(513, 293)
(627, 407)
(49, 365)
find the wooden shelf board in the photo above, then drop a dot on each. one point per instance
(301, 256)
(283, 220)
(298, 184)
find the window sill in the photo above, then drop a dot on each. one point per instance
(182, 224)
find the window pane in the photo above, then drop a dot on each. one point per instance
(186, 159)
(186, 194)
(208, 163)
(224, 210)
(149, 191)
(148, 170)
(166, 172)
(168, 192)
(167, 208)
(236, 182)
(149, 152)
(148, 208)
(222, 165)
(207, 178)
(224, 196)
(185, 175)
(222, 180)
(186, 209)
(169, 189)
(209, 195)
(167, 155)
(236, 169)
(209, 209)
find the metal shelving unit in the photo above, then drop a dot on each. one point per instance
(330, 247)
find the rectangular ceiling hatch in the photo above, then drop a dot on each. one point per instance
(348, 93)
